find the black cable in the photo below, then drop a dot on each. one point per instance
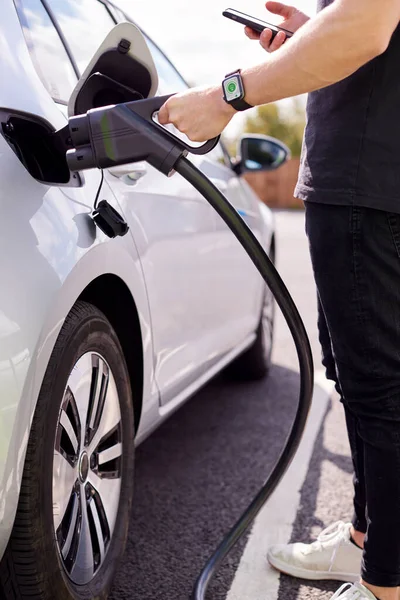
(270, 275)
(99, 190)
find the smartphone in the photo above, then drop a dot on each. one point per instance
(255, 24)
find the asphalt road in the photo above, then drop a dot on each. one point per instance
(196, 474)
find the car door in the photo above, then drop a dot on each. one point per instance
(225, 282)
(174, 229)
(234, 287)
(201, 285)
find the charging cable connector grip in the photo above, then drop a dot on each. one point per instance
(149, 107)
(126, 133)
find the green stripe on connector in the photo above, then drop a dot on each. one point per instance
(105, 130)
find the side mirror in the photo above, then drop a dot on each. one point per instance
(122, 70)
(260, 153)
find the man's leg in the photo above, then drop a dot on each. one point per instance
(356, 260)
(359, 521)
(337, 552)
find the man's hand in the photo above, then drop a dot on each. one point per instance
(293, 19)
(199, 113)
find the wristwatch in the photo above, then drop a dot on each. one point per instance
(233, 90)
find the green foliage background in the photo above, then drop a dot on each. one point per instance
(287, 127)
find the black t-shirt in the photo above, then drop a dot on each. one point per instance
(351, 148)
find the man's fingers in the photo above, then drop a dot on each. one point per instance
(253, 35)
(278, 41)
(265, 39)
(277, 8)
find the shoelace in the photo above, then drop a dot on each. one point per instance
(348, 591)
(332, 531)
(336, 530)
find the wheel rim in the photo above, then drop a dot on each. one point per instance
(87, 467)
(267, 322)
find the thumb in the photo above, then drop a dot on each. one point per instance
(163, 115)
(277, 8)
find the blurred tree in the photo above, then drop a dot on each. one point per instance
(287, 127)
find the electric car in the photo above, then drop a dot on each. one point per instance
(102, 338)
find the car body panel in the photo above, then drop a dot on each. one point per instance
(197, 296)
(191, 278)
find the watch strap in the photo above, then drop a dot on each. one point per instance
(240, 104)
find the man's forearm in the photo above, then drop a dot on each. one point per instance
(331, 46)
(328, 48)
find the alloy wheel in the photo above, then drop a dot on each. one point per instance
(87, 467)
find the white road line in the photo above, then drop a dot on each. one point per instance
(255, 579)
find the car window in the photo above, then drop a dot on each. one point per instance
(169, 79)
(47, 50)
(119, 14)
(85, 24)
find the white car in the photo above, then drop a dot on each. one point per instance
(102, 339)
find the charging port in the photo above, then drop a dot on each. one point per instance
(39, 147)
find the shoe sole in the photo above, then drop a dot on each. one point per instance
(312, 575)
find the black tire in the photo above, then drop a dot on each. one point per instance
(255, 363)
(32, 567)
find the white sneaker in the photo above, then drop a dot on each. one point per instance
(353, 592)
(331, 556)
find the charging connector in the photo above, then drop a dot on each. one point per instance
(126, 133)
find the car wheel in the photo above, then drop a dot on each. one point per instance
(255, 362)
(73, 512)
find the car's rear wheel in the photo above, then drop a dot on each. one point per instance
(255, 362)
(75, 499)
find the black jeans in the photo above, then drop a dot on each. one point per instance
(355, 254)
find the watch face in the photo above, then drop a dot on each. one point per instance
(233, 88)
